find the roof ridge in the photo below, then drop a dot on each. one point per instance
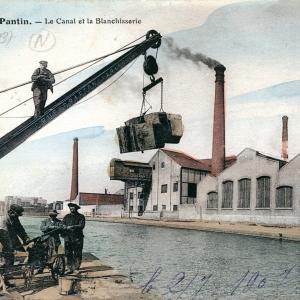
(181, 152)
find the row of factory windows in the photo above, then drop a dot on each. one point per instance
(284, 194)
(155, 207)
(164, 207)
(188, 192)
(162, 165)
(140, 195)
(188, 175)
(163, 189)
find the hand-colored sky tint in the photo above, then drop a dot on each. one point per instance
(257, 41)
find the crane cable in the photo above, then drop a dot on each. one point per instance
(81, 64)
(107, 85)
(93, 62)
(143, 110)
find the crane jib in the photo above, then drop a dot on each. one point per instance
(14, 138)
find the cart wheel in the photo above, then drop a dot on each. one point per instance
(27, 275)
(58, 267)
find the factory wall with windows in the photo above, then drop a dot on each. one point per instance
(255, 189)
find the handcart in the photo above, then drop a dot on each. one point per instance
(36, 257)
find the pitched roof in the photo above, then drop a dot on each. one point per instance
(266, 156)
(229, 160)
(100, 199)
(188, 161)
(185, 160)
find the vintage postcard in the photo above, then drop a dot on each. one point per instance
(149, 149)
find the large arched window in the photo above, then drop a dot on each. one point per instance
(212, 200)
(284, 197)
(227, 194)
(263, 192)
(244, 193)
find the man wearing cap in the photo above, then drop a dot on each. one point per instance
(43, 80)
(74, 223)
(11, 231)
(53, 226)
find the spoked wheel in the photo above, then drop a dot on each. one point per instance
(58, 267)
(27, 275)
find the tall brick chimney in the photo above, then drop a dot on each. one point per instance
(218, 146)
(285, 138)
(74, 183)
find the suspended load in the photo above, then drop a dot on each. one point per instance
(151, 131)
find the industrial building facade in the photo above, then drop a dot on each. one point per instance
(174, 184)
(175, 176)
(174, 180)
(253, 188)
(256, 189)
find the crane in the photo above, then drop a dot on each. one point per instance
(21, 133)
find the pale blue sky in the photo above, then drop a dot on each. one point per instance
(257, 41)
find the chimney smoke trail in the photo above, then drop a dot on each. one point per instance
(187, 54)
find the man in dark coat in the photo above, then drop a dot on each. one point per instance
(74, 223)
(11, 231)
(43, 80)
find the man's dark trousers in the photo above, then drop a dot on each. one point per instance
(73, 252)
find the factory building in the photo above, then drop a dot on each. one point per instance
(105, 204)
(257, 189)
(174, 181)
(253, 188)
(173, 187)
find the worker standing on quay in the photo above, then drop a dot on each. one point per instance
(54, 227)
(43, 80)
(74, 223)
(11, 230)
(52, 224)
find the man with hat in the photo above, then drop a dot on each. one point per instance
(74, 223)
(53, 226)
(11, 231)
(43, 80)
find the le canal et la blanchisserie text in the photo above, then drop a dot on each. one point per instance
(72, 21)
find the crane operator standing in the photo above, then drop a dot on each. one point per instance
(43, 80)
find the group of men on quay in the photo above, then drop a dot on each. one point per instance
(13, 237)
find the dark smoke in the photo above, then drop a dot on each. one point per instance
(186, 53)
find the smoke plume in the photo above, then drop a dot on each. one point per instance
(187, 54)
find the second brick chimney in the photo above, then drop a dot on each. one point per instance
(285, 137)
(74, 182)
(218, 146)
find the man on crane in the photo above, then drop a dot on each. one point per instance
(43, 80)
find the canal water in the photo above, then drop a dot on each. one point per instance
(187, 264)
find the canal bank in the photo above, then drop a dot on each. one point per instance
(143, 253)
(94, 280)
(284, 233)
